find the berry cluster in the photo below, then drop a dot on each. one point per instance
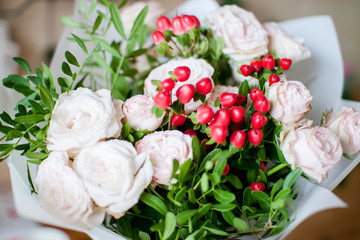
(267, 64)
(178, 26)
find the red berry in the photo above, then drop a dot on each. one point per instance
(273, 79)
(162, 99)
(268, 62)
(167, 85)
(226, 168)
(182, 73)
(285, 63)
(246, 70)
(196, 20)
(255, 93)
(257, 186)
(219, 133)
(238, 138)
(262, 166)
(256, 64)
(239, 125)
(240, 99)
(222, 117)
(158, 37)
(204, 86)
(255, 136)
(258, 120)
(177, 26)
(204, 114)
(237, 114)
(185, 93)
(188, 22)
(262, 104)
(178, 120)
(227, 99)
(191, 132)
(163, 24)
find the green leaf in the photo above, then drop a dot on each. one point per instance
(96, 24)
(144, 236)
(223, 196)
(63, 82)
(291, 178)
(107, 47)
(278, 204)
(283, 194)
(240, 225)
(35, 118)
(191, 195)
(116, 19)
(204, 46)
(184, 216)
(244, 88)
(209, 157)
(23, 64)
(6, 118)
(48, 78)
(262, 198)
(170, 225)
(219, 167)
(19, 83)
(71, 59)
(125, 130)
(216, 231)
(204, 183)
(69, 22)
(181, 194)
(36, 155)
(46, 97)
(92, 7)
(223, 207)
(138, 22)
(202, 211)
(66, 69)
(102, 63)
(80, 42)
(30, 179)
(235, 181)
(184, 169)
(154, 202)
(277, 186)
(196, 149)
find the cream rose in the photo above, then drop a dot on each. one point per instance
(315, 150)
(289, 101)
(81, 118)
(346, 125)
(114, 174)
(137, 110)
(62, 193)
(241, 32)
(285, 45)
(199, 69)
(163, 148)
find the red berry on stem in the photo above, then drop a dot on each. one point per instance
(238, 138)
(258, 120)
(273, 79)
(237, 114)
(246, 70)
(162, 99)
(204, 114)
(167, 85)
(182, 73)
(262, 166)
(227, 99)
(262, 104)
(178, 120)
(285, 63)
(240, 99)
(268, 62)
(255, 136)
(191, 132)
(222, 117)
(188, 22)
(177, 26)
(158, 37)
(204, 86)
(185, 93)
(255, 93)
(196, 20)
(257, 186)
(163, 24)
(256, 64)
(219, 133)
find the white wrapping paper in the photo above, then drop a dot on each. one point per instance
(323, 75)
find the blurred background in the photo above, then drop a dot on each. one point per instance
(31, 28)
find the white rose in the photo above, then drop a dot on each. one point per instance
(241, 32)
(114, 174)
(346, 125)
(119, 114)
(62, 193)
(315, 150)
(163, 148)
(81, 118)
(289, 101)
(216, 92)
(285, 45)
(137, 110)
(130, 12)
(199, 69)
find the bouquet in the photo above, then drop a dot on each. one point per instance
(185, 131)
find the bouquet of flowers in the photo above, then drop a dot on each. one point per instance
(192, 133)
